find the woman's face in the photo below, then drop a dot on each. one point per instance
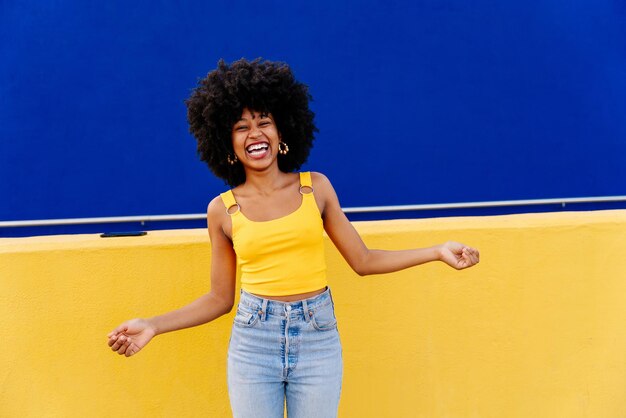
(255, 139)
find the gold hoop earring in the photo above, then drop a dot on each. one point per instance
(283, 148)
(232, 160)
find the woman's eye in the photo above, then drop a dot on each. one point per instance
(240, 128)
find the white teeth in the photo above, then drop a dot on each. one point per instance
(256, 147)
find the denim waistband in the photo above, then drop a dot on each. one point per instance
(276, 307)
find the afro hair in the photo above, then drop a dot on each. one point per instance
(218, 101)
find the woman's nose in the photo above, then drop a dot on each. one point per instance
(254, 132)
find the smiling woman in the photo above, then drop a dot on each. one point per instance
(261, 87)
(254, 129)
(255, 136)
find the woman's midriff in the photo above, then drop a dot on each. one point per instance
(293, 298)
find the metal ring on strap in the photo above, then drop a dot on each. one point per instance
(235, 212)
(310, 187)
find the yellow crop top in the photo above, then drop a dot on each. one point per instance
(283, 256)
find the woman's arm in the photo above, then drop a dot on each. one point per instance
(131, 336)
(365, 261)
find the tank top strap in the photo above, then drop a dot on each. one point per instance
(229, 201)
(305, 179)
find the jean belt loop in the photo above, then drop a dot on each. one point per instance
(305, 311)
(264, 309)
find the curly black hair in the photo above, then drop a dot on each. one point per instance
(216, 104)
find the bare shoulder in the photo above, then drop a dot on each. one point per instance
(320, 182)
(218, 221)
(216, 211)
(215, 205)
(324, 193)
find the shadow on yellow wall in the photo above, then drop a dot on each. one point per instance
(536, 330)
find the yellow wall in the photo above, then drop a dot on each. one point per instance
(536, 330)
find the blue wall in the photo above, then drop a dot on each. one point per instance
(417, 101)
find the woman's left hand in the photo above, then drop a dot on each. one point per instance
(458, 256)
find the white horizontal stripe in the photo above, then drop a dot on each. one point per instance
(363, 209)
(469, 205)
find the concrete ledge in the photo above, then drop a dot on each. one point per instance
(535, 330)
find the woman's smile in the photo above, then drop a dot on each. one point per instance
(258, 150)
(255, 137)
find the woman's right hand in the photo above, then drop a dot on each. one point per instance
(131, 336)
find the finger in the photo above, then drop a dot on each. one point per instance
(475, 256)
(119, 330)
(465, 259)
(467, 256)
(132, 349)
(122, 350)
(471, 255)
(118, 343)
(115, 343)
(112, 340)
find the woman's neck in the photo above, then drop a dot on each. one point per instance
(265, 182)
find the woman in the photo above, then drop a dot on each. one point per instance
(254, 129)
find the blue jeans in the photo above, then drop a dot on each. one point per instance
(284, 352)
